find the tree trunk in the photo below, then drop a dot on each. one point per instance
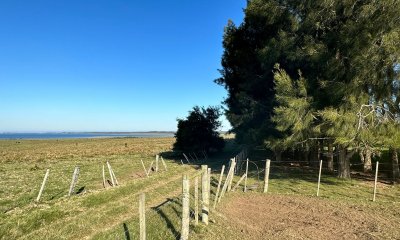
(361, 153)
(367, 160)
(330, 157)
(395, 165)
(343, 163)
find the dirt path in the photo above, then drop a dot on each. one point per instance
(257, 216)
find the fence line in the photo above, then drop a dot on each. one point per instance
(205, 174)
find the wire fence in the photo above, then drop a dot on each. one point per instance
(191, 202)
(181, 205)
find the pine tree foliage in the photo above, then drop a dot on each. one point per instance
(348, 90)
(343, 48)
(294, 115)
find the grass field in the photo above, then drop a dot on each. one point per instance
(23, 165)
(112, 213)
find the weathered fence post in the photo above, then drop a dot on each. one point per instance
(74, 180)
(187, 159)
(185, 208)
(142, 216)
(144, 168)
(113, 175)
(43, 184)
(237, 184)
(196, 200)
(319, 176)
(209, 182)
(157, 158)
(228, 176)
(164, 164)
(219, 186)
(245, 180)
(266, 177)
(232, 174)
(110, 172)
(104, 178)
(151, 165)
(376, 179)
(204, 194)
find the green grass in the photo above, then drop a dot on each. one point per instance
(57, 216)
(112, 213)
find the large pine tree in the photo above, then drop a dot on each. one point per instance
(347, 52)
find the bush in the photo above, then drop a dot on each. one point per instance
(198, 131)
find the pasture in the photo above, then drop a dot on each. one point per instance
(290, 209)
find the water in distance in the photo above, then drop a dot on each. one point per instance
(84, 135)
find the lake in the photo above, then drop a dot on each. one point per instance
(84, 135)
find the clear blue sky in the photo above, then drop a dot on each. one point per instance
(109, 65)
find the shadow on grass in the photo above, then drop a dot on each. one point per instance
(214, 160)
(126, 231)
(80, 190)
(57, 195)
(170, 225)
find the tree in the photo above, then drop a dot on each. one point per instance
(198, 132)
(347, 52)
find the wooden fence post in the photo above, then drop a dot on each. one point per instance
(266, 177)
(228, 176)
(219, 185)
(187, 159)
(319, 176)
(376, 179)
(113, 175)
(151, 165)
(245, 180)
(196, 200)
(43, 184)
(110, 172)
(157, 158)
(232, 175)
(142, 216)
(104, 178)
(204, 194)
(237, 184)
(164, 164)
(209, 182)
(144, 168)
(185, 208)
(73, 181)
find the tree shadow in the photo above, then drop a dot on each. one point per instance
(297, 174)
(214, 160)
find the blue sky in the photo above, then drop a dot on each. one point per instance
(114, 65)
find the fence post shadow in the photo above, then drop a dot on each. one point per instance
(169, 223)
(126, 232)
